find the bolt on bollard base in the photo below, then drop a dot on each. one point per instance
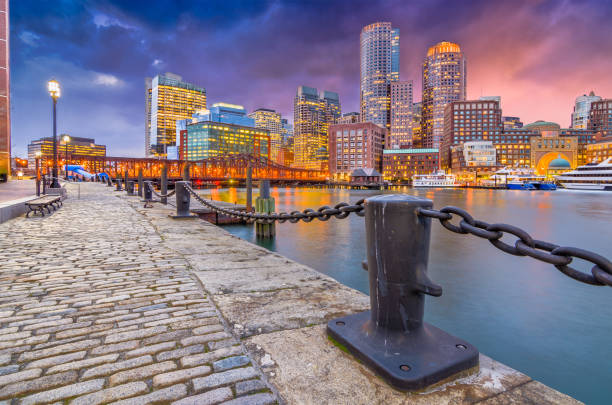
(182, 201)
(392, 338)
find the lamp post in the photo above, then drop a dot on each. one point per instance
(54, 91)
(37, 159)
(66, 139)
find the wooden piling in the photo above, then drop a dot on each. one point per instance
(265, 204)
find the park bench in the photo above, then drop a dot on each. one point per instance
(39, 204)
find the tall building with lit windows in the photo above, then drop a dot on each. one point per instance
(168, 99)
(400, 134)
(313, 112)
(379, 54)
(270, 120)
(582, 110)
(444, 81)
(5, 94)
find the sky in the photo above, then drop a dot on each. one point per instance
(537, 55)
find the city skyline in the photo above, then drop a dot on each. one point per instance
(266, 64)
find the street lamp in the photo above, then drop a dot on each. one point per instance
(54, 90)
(37, 159)
(66, 139)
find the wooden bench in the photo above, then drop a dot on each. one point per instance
(39, 204)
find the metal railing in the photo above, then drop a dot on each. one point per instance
(392, 337)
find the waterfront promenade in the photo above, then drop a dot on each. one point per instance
(106, 301)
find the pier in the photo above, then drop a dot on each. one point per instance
(107, 301)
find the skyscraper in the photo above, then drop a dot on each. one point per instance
(379, 43)
(444, 81)
(5, 105)
(600, 118)
(270, 120)
(582, 109)
(401, 115)
(312, 114)
(171, 99)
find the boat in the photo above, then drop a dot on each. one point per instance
(520, 179)
(592, 176)
(437, 179)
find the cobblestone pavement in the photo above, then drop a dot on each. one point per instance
(95, 308)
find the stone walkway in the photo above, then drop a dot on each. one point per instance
(96, 307)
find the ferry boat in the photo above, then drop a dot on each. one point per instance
(437, 179)
(520, 179)
(591, 176)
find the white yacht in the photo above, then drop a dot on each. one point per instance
(437, 179)
(591, 176)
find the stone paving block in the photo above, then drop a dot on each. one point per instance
(142, 373)
(184, 351)
(205, 358)
(136, 334)
(257, 399)
(63, 392)
(167, 394)
(81, 331)
(77, 365)
(52, 351)
(55, 360)
(225, 377)
(108, 369)
(246, 387)
(19, 376)
(174, 377)
(230, 362)
(115, 347)
(152, 349)
(112, 394)
(165, 337)
(13, 368)
(38, 384)
(208, 398)
(205, 338)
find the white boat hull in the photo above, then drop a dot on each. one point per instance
(587, 186)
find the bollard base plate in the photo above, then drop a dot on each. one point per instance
(182, 216)
(408, 361)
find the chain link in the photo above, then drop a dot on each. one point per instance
(324, 213)
(170, 194)
(525, 245)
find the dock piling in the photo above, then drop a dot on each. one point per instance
(265, 204)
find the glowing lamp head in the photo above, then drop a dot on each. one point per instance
(38, 154)
(66, 138)
(54, 89)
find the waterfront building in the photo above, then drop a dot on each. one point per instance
(465, 121)
(286, 152)
(514, 147)
(379, 66)
(400, 133)
(287, 130)
(582, 110)
(173, 152)
(512, 122)
(549, 151)
(168, 99)
(473, 156)
(399, 165)
(354, 146)
(600, 117)
(417, 119)
(366, 176)
(444, 81)
(600, 150)
(271, 120)
(208, 138)
(5, 93)
(313, 112)
(75, 148)
(584, 137)
(349, 118)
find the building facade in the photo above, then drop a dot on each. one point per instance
(5, 93)
(600, 150)
(512, 122)
(206, 139)
(473, 155)
(400, 133)
(171, 99)
(444, 81)
(354, 146)
(349, 118)
(379, 66)
(313, 112)
(75, 148)
(270, 120)
(600, 117)
(549, 149)
(582, 110)
(584, 138)
(466, 121)
(399, 165)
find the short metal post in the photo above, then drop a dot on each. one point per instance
(392, 338)
(109, 182)
(118, 184)
(140, 183)
(182, 200)
(125, 178)
(147, 193)
(186, 176)
(44, 184)
(164, 184)
(130, 188)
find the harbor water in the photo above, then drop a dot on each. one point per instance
(519, 311)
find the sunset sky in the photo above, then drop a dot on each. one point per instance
(537, 55)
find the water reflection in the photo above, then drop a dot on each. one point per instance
(519, 311)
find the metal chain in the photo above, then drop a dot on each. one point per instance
(525, 245)
(170, 194)
(341, 210)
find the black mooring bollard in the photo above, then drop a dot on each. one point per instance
(140, 183)
(392, 338)
(109, 182)
(147, 193)
(164, 184)
(118, 184)
(182, 200)
(129, 187)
